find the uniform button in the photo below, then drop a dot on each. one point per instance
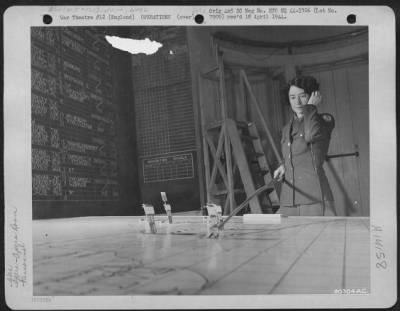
(288, 143)
(301, 135)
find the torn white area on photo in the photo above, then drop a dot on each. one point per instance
(134, 46)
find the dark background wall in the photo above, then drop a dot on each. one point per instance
(128, 170)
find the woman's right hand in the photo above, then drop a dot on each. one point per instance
(279, 173)
(315, 98)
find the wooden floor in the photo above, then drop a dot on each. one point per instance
(114, 256)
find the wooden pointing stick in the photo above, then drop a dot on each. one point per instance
(215, 233)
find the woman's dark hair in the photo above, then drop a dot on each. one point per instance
(308, 83)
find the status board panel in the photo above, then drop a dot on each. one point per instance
(164, 106)
(74, 156)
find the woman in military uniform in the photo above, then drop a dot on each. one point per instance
(305, 142)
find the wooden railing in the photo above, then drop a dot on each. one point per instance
(245, 82)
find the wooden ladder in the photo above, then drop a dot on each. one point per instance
(235, 163)
(250, 168)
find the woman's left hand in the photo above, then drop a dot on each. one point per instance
(315, 98)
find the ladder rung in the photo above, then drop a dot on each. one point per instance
(264, 171)
(269, 190)
(242, 124)
(211, 71)
(214, 125)
(224, 192)
(256, 154)
(211, 74)
(266, 192)
(249, 137)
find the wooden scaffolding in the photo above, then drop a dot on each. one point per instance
(235, 161)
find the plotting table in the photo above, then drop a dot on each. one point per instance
(114, 256)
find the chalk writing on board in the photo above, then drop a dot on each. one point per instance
(39, 105)
(46, 185)
(79, 160)
(95, 78)
(98, 141)
(54, 138)
(78, 182)
(44, 83)
(43, 59)
(99, 161)
(41, 184)
(56, 162)
(72, 119)
(72, 34)
(45, 35)
(53, 110)
(73, 45)
(62, 123)
(77, 121)
(39, 134)
(76, 146)
(57, 189)
(69, 67)
(73, 79)
(97, 58)
(76, 94)
(96, 98)
(101, 118)
(40, 159)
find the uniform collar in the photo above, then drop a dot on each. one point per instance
(295, 118)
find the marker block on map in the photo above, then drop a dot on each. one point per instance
(211, 209)
(148, 209)
(164, 197)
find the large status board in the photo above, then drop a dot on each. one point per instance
(74, 156)
(164, 105)
(165, 119)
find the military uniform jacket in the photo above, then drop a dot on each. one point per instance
(305, 144)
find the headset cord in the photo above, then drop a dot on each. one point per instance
(319, 179)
